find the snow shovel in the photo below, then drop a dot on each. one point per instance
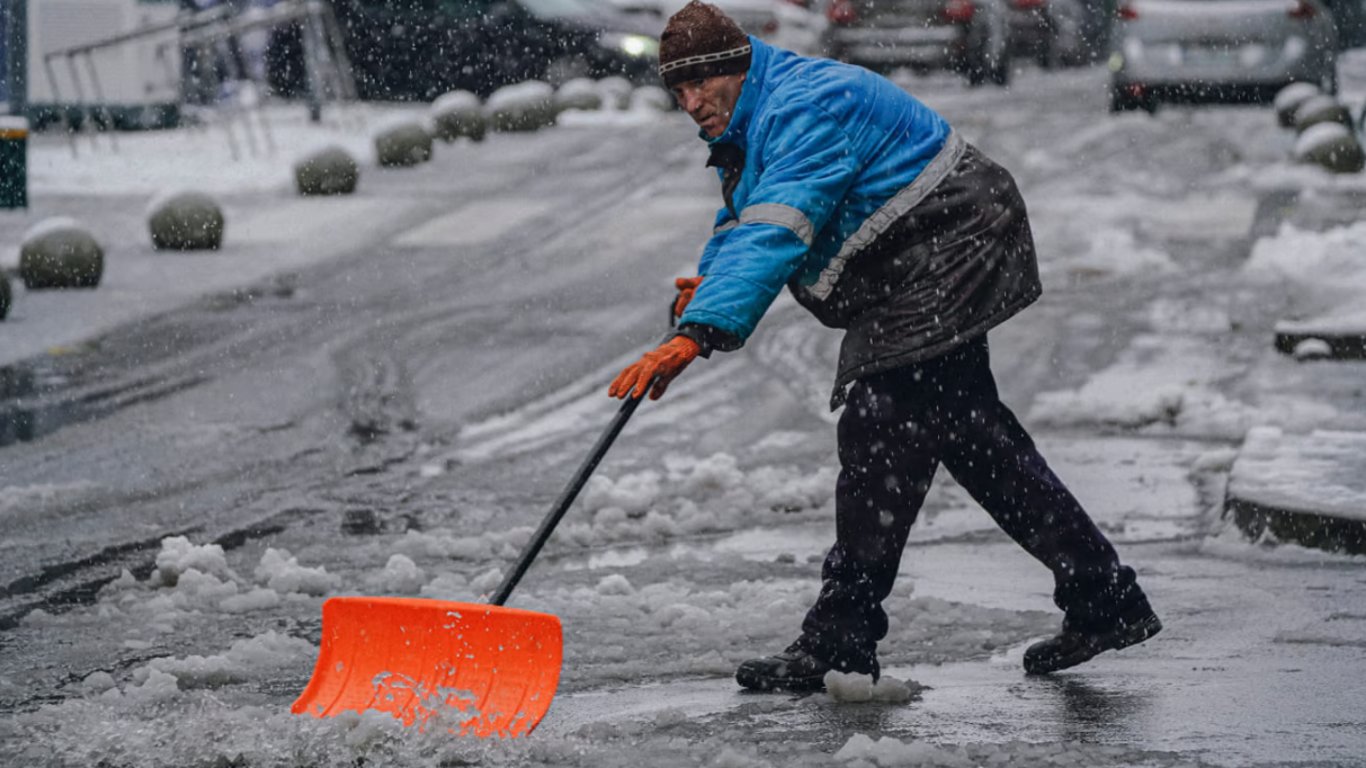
(490, 669)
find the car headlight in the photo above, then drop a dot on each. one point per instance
(1295, 48)
(632, 45)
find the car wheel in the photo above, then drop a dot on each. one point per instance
(1121, 101)
(975, 69)
(999, 71)
(1047, 56)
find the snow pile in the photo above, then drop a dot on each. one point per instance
(634, 494)
(401, 576)
(178, 557)
(256, 658)
(706, 495)
(690, 496)
(841, 686)
(282, 572)
(1158, 382)
(192, 578)
(1332, 261)
(491, 545)
(197, 727)
(1324, 471)
(1115, 252)
(888, 752)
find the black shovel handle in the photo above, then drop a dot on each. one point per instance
(562, 505)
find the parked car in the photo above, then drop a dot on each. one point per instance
(790, 24)
(1350, 18)
(416, 50)
(1218, 50)
(968, 36)
(1052, 32)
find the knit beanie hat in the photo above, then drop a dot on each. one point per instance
(701, 41)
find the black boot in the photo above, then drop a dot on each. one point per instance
(1075, 645)
(792, 670)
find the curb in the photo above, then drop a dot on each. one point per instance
(1304, 527)
(1309, 489)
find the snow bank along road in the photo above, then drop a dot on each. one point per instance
(394, 419)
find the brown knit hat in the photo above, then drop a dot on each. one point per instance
(701, 41)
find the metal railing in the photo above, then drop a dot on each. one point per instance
(198, 34)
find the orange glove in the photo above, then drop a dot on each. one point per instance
(686, 286)
(665, 362)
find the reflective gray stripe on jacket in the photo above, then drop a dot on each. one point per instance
(887, 215)
(948, 261)
(778, 215)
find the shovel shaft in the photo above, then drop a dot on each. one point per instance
(566, 499)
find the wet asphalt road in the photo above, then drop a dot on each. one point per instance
(286, 412)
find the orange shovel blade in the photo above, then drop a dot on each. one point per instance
(485, 669)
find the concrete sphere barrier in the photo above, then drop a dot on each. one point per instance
(327, 171)
(458, 114)
(60, 253)
(616, 92)
(579, 93)
(527, 106)
(6, 296)
(652, 97)
(403, 144)
(1321, 109)
(185, 221)
(1289, 99)
(1332, 146)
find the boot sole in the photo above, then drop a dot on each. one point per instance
(1130, 636)
(757, 682)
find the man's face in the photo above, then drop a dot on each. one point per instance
(710, 101)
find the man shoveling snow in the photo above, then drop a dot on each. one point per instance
(884, 222)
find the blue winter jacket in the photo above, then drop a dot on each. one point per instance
(826, 145)
(880, 219)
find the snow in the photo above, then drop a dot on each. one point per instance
(1318, 135)
(1115, 252)
(178, 556)
(1293, 95)
(629, 569)
(887, 752)
(149, 163)
(282, 572)
(1323, 472)
(160, 200)
(1349, 319)
(1330, 263)
(50, 225)
(1159, 383)
(255, 658)
(852, 687)
(458, 101)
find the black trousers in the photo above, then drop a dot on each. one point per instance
(898, 426)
